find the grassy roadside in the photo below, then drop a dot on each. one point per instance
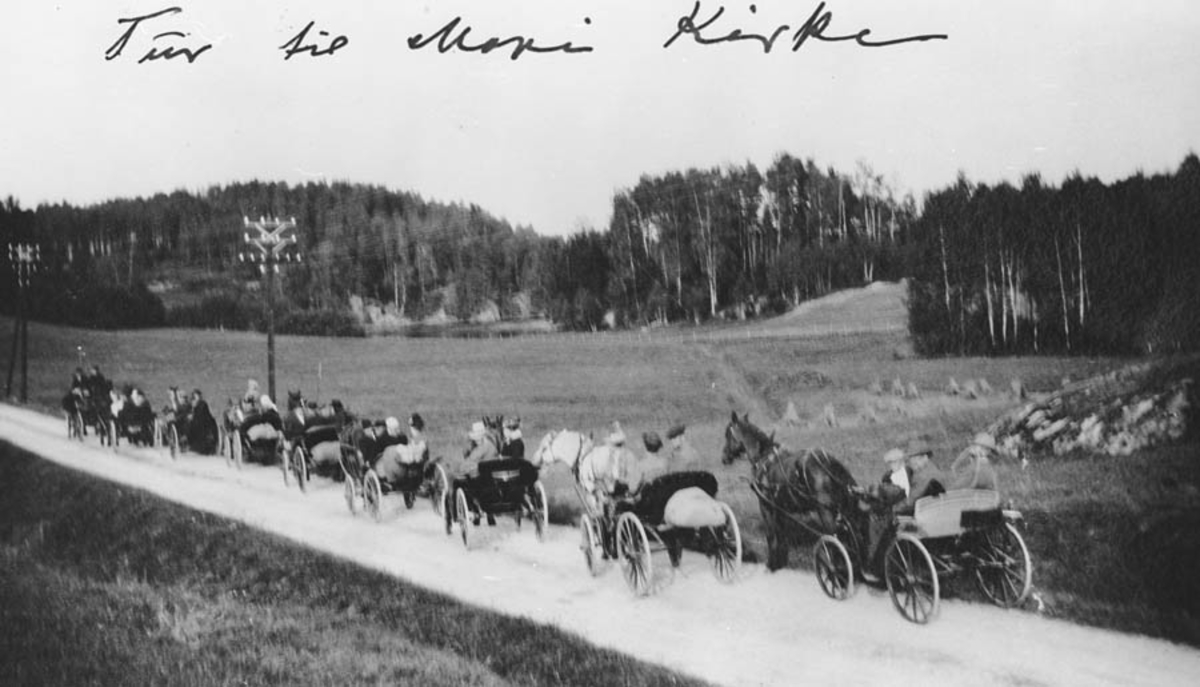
(102, 584)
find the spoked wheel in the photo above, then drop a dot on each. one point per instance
(912, 579)
(300, 469)
(237, 451)
(439, 489)
(351, 492)
(112, 434)
(1004, 572)
(727, 554)
(633, 550)
(75, 426)
(835, 572)
(173, 440)
(373, 495)
(590, 544)
(539, 511)
(463, 514)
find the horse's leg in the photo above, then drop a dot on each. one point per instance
(777, 553)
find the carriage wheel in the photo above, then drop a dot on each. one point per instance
(286, 466)
(373, 495)
(439, 490)
(1004, 572)
(633, 550)
(835, 572)
(463, 513)
(300, 465)
(75, 426)
(158, 436)
(173, 440)
(112, 434)
(540, 511)
(912, 579)
(351, 493)
(237, 450)
(727, 556)
(590, 544)
(410, 498)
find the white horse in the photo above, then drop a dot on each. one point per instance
(595, 467)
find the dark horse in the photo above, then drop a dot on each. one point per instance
(812, 490)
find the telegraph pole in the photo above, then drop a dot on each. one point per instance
(272, 242)
(24, 258)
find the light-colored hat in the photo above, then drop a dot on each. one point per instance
(393, 426)
(984, 440)
(893, 455)
(266, 401)
(617, 436)
(477, 431)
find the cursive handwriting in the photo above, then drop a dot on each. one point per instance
(447, 39)
(818, 22)
(169, 52)
(297, 44)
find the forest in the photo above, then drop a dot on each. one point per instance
(1082, 267)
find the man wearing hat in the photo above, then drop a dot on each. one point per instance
(972, 469)
(924, 476)
(682, 456)
(482, 448)
(514, 445)
(393, 455)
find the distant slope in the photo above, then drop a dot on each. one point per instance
(877, 307)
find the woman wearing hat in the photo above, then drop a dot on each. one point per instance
(682, 456)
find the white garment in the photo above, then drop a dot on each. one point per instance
(900, 478)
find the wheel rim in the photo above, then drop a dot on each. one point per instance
(372, 495)
(440, 487)
(1004, 573)
(912, 579)
(173, 434)
(835, 572)
(285, 467)
(727, 555)
(237, 451)
(302, 471)
(351, 496)
(634, 551)
(593, 549)
(464, 516)
(541, 514)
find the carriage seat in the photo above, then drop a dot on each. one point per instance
(320, 434)
(653, 499)
(951, 513)
(508, 470)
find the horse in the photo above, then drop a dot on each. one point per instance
(811, 489)
(593, 466)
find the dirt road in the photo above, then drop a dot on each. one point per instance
(767, 629)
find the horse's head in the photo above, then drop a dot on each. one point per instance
(544, 455)
(742, 438)
(295, 400)
(564, 446)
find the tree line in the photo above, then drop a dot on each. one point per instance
(1079, 268)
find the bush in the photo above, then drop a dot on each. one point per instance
(319, 323)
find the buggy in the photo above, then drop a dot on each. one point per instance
(631, 531)
(505, 486)
(250, 441)
(363, 484)
(960, 531)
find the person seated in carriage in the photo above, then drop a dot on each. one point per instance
(97, 385)
(202, 435)
(400, 458)
(264, 424)
(512, 445)
(909, 476)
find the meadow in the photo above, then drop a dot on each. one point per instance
(1109, 537)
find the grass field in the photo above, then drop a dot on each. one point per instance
(153, 593)
(1104, 534)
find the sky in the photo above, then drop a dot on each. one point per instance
(1018, 86)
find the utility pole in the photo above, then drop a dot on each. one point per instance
(272, 242)
(25, 259)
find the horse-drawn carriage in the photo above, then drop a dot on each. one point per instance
(631, 530)
(959, 531)
(182, 426)
(83, 413)
(132, 420)
(412, 477)
(507, 486)
(254, 436)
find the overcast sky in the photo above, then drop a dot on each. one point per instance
(1101, 86)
